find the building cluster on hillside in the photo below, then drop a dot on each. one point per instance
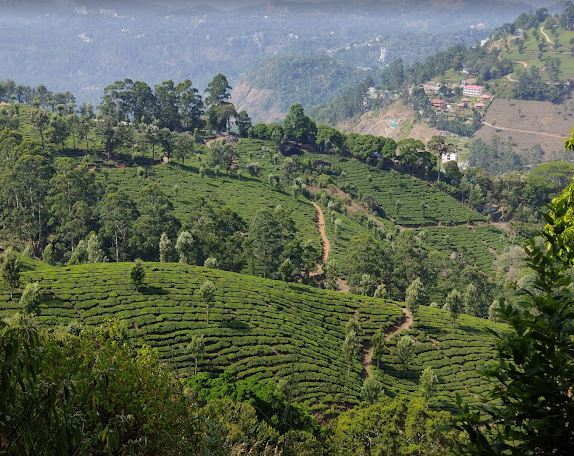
(475, 96)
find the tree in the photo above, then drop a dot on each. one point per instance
(371, 390)
(350, 348)
(414, 295)
(197, 350)
(286, 270)
(166, 249)
(469, 300)
(381, 291)
(112, 132)
(137, 274)
(94, 251)
(533, 410)
(207, 293)
(166, 139)
(453, 304)
(10, 270)
(48, 254)
(187, 248)
(494, 310)
(189, 105)
(24, 210)
(298, 127)
(167, 105)
(184, 146)
(266, 242)
(218, 91)
(405, 350)
(243, 122)
(31, 298)
(60, 130)
(329, 138)
(427, 383)
(40, 120)
(155, 217)
(223, 153)
(79, 254)
(378, 343)
(553, 69)
(118, 212)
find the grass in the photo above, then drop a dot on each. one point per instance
(258, 328)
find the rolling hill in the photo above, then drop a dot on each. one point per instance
(264, 329)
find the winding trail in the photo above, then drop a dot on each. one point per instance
(324, 239)
(404, 324)
(519, 62)
(546, 35)
(342, 284)
(527, 132)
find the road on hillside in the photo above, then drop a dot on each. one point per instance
(527, 132)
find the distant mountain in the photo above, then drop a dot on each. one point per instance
(92, 43)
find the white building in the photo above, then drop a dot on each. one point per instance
(471, 90)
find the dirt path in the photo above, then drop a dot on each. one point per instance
(546, 35)
(404, 324)
(519, 62)
(528, 132)
(324, 239)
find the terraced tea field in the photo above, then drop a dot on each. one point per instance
(408, 201)
(479, 245)
(258, 328)
(454, 351)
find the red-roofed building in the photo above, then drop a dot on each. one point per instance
(438, 103)
(472, 90)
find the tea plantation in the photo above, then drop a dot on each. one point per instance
(258, 328)
(479, 245)
(405, 199)
(455, 351)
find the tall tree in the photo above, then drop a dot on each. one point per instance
(218, 92)
(189, 105)
(118, 212)
(166, 100)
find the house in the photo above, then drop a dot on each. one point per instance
(472, 90)
(431, 88)
(469, 81)
(479, 106)
(449, 156)
(438, 103)
(486, 97)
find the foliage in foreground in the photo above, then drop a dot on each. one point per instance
(533, 408)
(88, 391)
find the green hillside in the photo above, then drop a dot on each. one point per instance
(479, 245)
(455, 352)
(405, 199)
(258, 328)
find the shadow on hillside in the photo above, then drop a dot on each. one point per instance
(150, 290)
(232, 323)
